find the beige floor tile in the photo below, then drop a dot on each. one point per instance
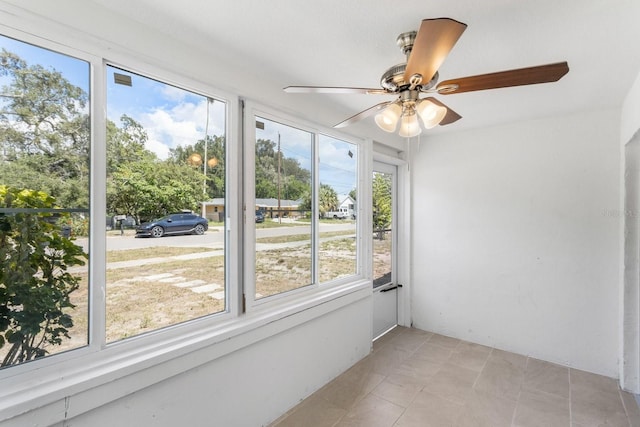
(384, 360)
(582, 379)
(485, 410)
(420, 370)
(590, 405)
(407, 341)
(372, 411)
(417, 331)
(398, 389)
(429, 410)
(541, 409)
(516, 360)
(631, 408)
(313, 411)
(346, 391)
(429, 351)
(453, 383)
(546, 377)
(501, 378)
(603, 419)
(386, 338)
(470, 356)
(416, 378)
(444, 341)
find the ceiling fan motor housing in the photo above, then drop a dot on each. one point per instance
(393, 79)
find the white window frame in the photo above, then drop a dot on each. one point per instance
(252, 110)
(231, 185)
(37, 380)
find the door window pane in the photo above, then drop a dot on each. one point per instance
(44, 202)
(337, 207)
(283, 208)
(382, 228)
(166, 203)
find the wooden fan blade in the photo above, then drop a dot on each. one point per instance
(362, 114)
(325, 89)
(520, 77)
(434, 41)
(451, 115)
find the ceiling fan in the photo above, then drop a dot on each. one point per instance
(426, 50)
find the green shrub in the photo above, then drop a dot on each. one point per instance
(35, 284)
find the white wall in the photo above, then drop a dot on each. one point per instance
(517, 238)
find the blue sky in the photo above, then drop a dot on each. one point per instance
(337, 167)
(173, 116)
(73, 69)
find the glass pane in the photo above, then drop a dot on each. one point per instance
(382, 228)
(337, 206)
(283, 208)
(165, 201)
(44, 202)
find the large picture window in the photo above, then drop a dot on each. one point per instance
(337, 198)
(159, 178)
(283, 214)
(44, 202)
(165, 205)
(305, 208)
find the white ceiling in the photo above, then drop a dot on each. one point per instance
(352, 42)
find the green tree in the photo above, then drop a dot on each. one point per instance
(327, 199)
(35, 284)
(141, 185)
(151, 188)
(382, 208)
(44, 132)
(126, 143)
(215, 157)
(295, 181)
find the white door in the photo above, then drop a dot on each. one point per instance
(385, 287)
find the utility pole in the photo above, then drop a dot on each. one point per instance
(279, 195)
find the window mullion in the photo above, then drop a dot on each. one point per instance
(97, 251)
(315, 223)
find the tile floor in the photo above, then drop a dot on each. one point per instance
(417, 378)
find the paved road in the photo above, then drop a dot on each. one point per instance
(213, 238)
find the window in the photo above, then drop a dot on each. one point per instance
(155, 207)
(383, 225)
(44, 202)
(337, 198)
(283, 197)
(165, 172)
(305, 233)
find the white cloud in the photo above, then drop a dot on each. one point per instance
(161, 149)
(172, 93)
(182, 125)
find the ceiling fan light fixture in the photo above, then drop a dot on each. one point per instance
(430, 113)
(409, 124)
(387, 119)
